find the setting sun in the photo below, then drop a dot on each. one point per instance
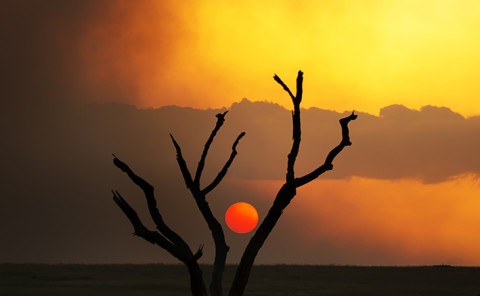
(241, 217)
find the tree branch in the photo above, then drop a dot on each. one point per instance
(288, 190)
(144, 185)
(285, 87)
(199, 253)
(183, 165)
(225, 168)
(166, 238)
(152, 207)
(298, 97)
(201, 163)
(296, 134)
(221, 247)
(142, 231)
(328, 164)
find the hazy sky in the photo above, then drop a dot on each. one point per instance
(358, 54)
(406, 192)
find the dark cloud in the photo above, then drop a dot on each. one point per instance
(56, 190)
(63, 52)
(432, 144)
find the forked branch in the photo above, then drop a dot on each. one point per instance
(152, 207)
(221, 247)
(296, 134)
(288, 190)
(177, 247)
(225, 168)
(142, 231)
(201, 163)
(328, 164)
(165, 237)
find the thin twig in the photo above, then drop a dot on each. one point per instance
(225, 168)
(201, 163)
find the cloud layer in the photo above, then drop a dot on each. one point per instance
(57, 189)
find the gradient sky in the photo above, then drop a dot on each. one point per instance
(387, 59)
(361, 54)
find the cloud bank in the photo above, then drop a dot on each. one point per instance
(60, 173)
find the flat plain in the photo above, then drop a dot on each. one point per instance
(272, 280)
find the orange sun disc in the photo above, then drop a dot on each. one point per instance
(241, 217)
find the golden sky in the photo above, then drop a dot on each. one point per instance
(361, 55)
(407, 189)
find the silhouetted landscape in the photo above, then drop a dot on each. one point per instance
(69, 174)
(395, 214)
(275, 280)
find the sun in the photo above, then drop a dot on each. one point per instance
(241, 217)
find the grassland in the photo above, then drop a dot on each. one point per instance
(172, 280)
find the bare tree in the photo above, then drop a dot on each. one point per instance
(173, 243)
(168, 239)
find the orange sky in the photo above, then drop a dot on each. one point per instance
(359, 55)
(411, 222)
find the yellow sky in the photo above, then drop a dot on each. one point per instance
(359, 55)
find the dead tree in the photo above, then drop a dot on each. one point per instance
(288, 190)
(168, 239)
(173, 243)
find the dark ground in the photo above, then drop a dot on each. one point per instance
(278, 280)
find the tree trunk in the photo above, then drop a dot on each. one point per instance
(288, 191)
(284, 196)
(200, 196)
(221, 247)
(197, 285)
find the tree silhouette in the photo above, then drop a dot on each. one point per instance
(174, 244)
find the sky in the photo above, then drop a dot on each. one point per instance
(406, 192)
